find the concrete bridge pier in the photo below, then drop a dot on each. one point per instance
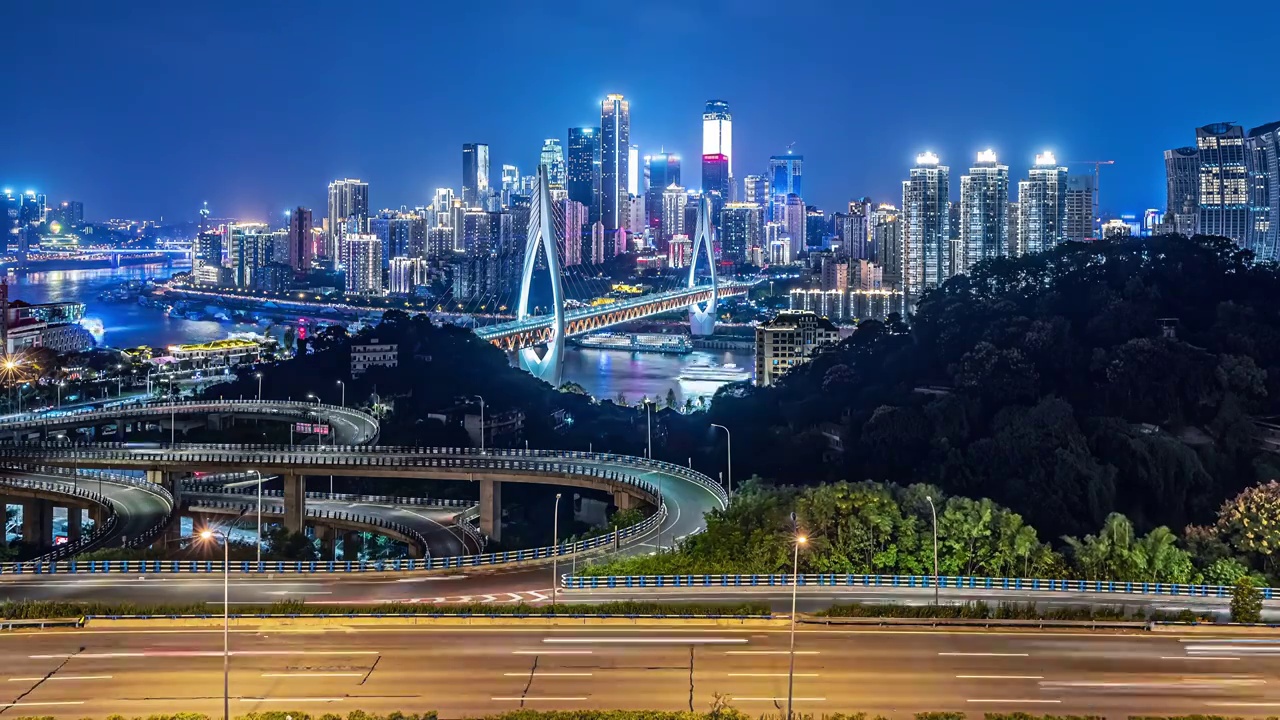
(167, 480)
(37, 522)
(97, 514)
(295, 502)
(327, 535)
(491, 509)
(352, 543)
(75, 521)
(625, 501)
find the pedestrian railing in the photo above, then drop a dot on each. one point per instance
(1086, 587)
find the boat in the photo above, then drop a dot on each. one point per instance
(638, 342)
(710, 372)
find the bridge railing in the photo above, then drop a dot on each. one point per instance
(411, 534)
(100, 532)
(215, 489)
(1089, 587)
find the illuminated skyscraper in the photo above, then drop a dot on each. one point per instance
(662, 171)
(674, 201)
(574, 216)
(926, 252)
(1080, 194)
(1224, 182)
(984, 210)
(1264, 148)
(475, 174)
(364, 274)
(348, 200)
(206, 258)
(755, 189)
(715, 180)
(1042, 206)
(301, 252)
(784, 179)
(615, 144)
(1182, 180)
(886, 231)
(795, 219)
(582, 169)
(553, 157)
(717, 132)
(634, 170)
(741, 228)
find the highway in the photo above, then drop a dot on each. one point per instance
(137, 510)
(471, 671)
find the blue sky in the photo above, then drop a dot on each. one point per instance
(147, 108)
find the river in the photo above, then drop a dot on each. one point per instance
(603, 373)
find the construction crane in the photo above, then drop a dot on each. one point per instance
(1097, 166)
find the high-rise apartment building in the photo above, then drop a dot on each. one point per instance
(251, 248)
(717, 133)
(795, 220)
(1081, 190)
(573, 215)
(635, 171)
(855, 230)
(1016, 246)
(674, 201)
(206, 258)
(553, 157)
(662, 171)
(755, 189)
(301, 252)
(984, 210)
(1264, 147)
(364, 273)
(475, 174)
(788, 340)
(615, 143)
(348, 201)
(406, 274)
(1224, 183)
(886, 233)
(582, 169)
(926, 252)
(741, 228)
(439, 243)
(1042, 206)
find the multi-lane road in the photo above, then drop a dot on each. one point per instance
(471, 671)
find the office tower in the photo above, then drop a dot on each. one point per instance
(510, 183)
(439, 243)
(662, 171)
(634, 170)
(406, 274)
(441, 205)
(380, 227)
(406, 237)
(1224, 182)
(1182, 178)
(301, 251)
(1264, 147)
(364, 274)
(582, 169)
(795, 218)
(815, 227)
(926, 256)
(784, 179)
(475, 174)
(574, 216)
(674, 202)
(984, 211)
(741, 228)
(250, 249)
(1080, 194)
(715, 178)
(553, 157)
(717, 134)
(615, 143)
(206, 258)
(1042, 206)
(886, 233)
(755, 189)
(855, 230)
(71, 214)
(348, 199)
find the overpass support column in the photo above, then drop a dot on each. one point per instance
(37, 522)
(327, 535)
(352, 542)
(295, 502)
(75, 517)
(167, 480)
(491, 509)
(625, 501)
(97, 514)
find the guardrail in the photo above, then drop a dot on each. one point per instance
(463, 521)
(1090, 587)
(335, 566)
(85, 542)
(409, 533)
(113, 478)
(214, 489)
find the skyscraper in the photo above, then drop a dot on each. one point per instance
(206, 258)
(1264, 146)
(582, 169)
(741, 228)
(886, 231)
(717, 133)
(1080, 193)
(984, 210)
(663, 171)
(475, 174)
(674, 201)
(510, 183)
(855, 230)
(1224, 183)
(926, 256)
(553, 157)
(633, 170)
(348, 200)
(615, 143)
(574, 216)
(364, 274)
(1182, 180)
(715, 178)
(1042, 206)
(784, 179)
(755, 189)
(301, 252)
(795, 219)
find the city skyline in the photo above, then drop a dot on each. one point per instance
(166, 156)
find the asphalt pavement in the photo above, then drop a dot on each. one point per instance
(471, 671)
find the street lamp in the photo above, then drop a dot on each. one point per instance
(795, 581)
(482, 425)
(648, 416)
(314, 397)
(210, 535)
(255, 472)
(934, 512)
(555, 552)
(729, 443)
(344, 393)
(259, 376)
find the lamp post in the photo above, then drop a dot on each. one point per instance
(934, 511)
(344, 393)
(795, 581)
(729, 444)
(314, 397)
(482, 427)
(255, 472)
(259, 376)
(648, 416)
(555, 552)
(226, 615)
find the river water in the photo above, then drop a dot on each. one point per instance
(603, 373)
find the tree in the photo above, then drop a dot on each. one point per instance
(1246, 601)
(1251, 522)
(671, 399)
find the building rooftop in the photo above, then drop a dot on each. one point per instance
(791, 319)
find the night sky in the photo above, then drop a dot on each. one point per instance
(141, 109)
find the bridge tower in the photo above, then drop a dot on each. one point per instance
(702, 321)
(542, 233)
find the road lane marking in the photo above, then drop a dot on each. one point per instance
(1000, 677)
(297, 699)
(6, 706)
(1012, 702)
(777, 699)
(1198, 657)
(649, 640)
(57, 677)
(1243, 704)
(538, 698)
(771, 674)
(550, 652)
(197, 653)
(547, 674)
(981, 654)
(771, 652)
(297, 592)
(312, 674)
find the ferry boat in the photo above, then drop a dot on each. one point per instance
(638, 342)
(710, 372)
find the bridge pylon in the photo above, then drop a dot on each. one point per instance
(702, 320)
(541, 232)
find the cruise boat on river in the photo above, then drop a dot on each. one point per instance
(710, 372)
